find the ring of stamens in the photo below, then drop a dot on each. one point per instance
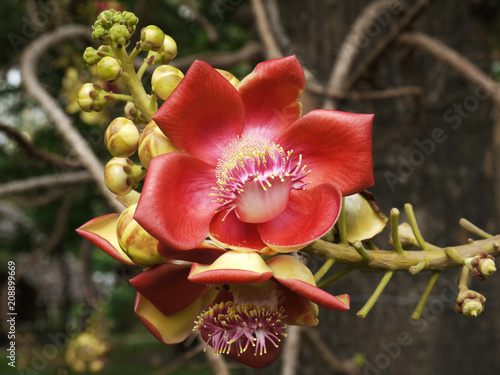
(245, 324)
(249, 170)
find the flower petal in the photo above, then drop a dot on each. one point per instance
(233, 267)
(299, 310)
(297, 277)
(101, 231)
(166, 286)
(174, 328)
(363, 218)
(270, 94)
(205, 253)
(335, 146)
(309, 215)
(175, 206)
(203, 114)
(230, 232)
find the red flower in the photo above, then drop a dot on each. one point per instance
(252, 173)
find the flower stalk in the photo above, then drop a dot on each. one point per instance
(375, 296)
(425, 295)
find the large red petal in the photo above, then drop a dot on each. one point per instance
(203, 114)
(175, 205)
(336, 146)
(231, 232)
(270, 94)
(167, 287)
(204, 255)
(101, 231)
(299, 310)
(309, 215)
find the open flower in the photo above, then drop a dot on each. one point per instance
(253, 173)
(240, 304)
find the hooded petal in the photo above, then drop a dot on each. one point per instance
(203, 114)
(174, 328)
(299, 310)
(205, 253)
(297, 277)
(228, 231)
(309, 215)
(101, 231)
(233, 267)
(175, 205)
(270, 94)
(166, 286)
(336, 146)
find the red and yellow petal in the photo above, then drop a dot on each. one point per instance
(233, 267)
(101, 231)
(206, 253)
(167, 287)
(175, 205)
(309, 215)
(270, 95)
(335, 146)
(203, 114)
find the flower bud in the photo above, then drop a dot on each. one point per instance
(119, 34)
(165, 79)
(167, 51)
(121, 137)
(229, 76)
(152, 38)
(91, 56)
(121, 175)
(109, 69)
(138, 244)
(469, 303)
(91, 97)
(482, 265)
(153, 143)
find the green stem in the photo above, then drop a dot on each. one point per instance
(324, 269)
(396, 243)
(362, 251)
(464, 278)
(452, 253)
(335, 277)
(134, 53)
(341, 225)
(414, 226)
(375, 296)
(123, 97)
(425, 296)
(420, 266)
(474, 229)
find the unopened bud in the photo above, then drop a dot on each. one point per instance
(121, 137)
(138, 244)
(229, 76)
(152, 38)
(121, 175)
(153, 143)
(165, 79)
(470, 303)
(482, 265)
(109, 69)
(91, 97)
(119, 35)
(91, 56)
(167, 51)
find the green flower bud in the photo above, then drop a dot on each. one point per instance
(152, 38)
(91, 98)
(104, 50)
(165, 79)
(90, 56)
(469, 303)
(119, 34)
(167, 51)
(109, 69)
(121, 175)
(121, 137)
(153, 143)
(138, 244)
(130, 19)
(229, 76)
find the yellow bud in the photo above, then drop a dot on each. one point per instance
(85, 101)
(121, 175)
(138, 244)
(152, 38)
(121, 137)
(487, 267)
(109, 69)
(165, 79)
(471, 308)
(229, 76)
(153, 143)
(168, 50)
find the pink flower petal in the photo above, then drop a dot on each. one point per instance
(299, 310)
(166, 286)
(335, 146)
(203, 254)
(175, 206)
(233, 233)
(203, 114)
(101, 231)
(270, 94)
(309, 215)
(233, 267)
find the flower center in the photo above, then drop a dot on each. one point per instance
(243, 325)
(254, 178)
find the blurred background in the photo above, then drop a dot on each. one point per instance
(428, 70)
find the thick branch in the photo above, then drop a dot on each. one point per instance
(271, 48)
(63, 123)
(384, 260)
(366, 95)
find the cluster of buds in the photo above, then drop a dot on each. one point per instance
(481, 266)
(469, 303)
(113, 26)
